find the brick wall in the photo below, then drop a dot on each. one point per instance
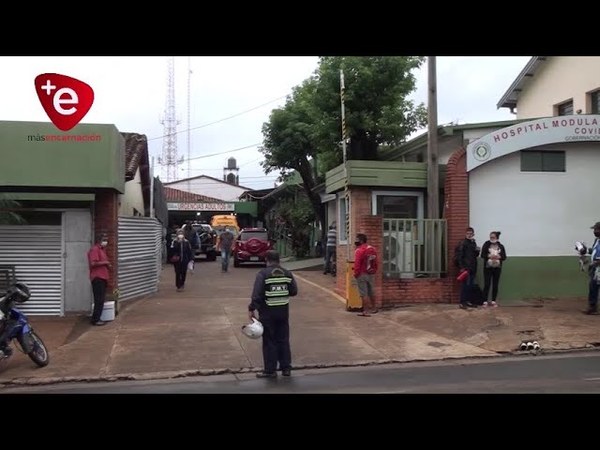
(106, 217)
(360, 199)
(340, 278)
(361, 207)
(456, 212)
(415, 290)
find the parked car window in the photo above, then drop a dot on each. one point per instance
(260, 235)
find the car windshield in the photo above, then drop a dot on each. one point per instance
(260, 235)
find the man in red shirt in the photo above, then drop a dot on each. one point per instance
(99, 265)
(365, 265)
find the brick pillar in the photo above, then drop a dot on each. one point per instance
(106, 220)
(372, 226)
(456, 212)
(360, 208)
(341, 259)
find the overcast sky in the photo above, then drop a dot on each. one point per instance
(131, 93)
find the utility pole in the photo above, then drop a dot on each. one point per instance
(433, 202)
(347, 219)
(152, 188)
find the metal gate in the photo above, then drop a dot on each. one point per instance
(140, 256)
(36, 252)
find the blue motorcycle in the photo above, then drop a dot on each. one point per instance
(14, 325)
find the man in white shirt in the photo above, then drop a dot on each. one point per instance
(330, 248)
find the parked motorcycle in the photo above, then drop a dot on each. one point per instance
(14, 325)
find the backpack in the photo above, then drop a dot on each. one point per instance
(475, 294)
(371, 256)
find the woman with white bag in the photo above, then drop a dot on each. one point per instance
(493, 254)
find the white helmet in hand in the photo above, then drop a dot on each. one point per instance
(253, 330)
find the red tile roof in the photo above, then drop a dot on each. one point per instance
(136, 153)
(175, 195)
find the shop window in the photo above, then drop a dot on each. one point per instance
(398, 205)
(565, 109)
(543, 161)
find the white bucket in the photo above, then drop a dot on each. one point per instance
(108, 312)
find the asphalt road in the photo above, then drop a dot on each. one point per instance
(558, 373)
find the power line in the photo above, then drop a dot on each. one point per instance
(225, 152)
(225, 118)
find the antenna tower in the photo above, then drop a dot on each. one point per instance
(189, 123)
(169, 158)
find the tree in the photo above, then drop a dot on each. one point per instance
(378, 110)
(7, 214)
(304, 135)
(298, 214)
(288, 142)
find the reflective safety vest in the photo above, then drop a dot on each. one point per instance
(277, 288)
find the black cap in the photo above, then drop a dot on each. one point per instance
(596, 225)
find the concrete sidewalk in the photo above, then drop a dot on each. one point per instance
(198, 332)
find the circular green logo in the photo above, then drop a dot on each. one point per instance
(482, 152)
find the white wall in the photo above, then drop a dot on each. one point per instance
(132, 197)
(539, 214)
(210, 188)
(447, 147)
(558, 79)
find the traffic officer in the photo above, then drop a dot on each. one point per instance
(273, 288)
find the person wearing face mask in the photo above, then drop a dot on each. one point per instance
(99, 276)
(493, 254)
(593, 270)
(365, 268)
(468, 251)
(180, 255)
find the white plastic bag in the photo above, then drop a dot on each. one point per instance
(190, 266)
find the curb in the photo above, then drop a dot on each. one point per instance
(168, 375)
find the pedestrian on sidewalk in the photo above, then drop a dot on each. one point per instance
(180, 255)
(468, 251)
(365, 268)
(594, 271)
(330, 249)
(273, 288)
(99, 266)
(224, 245)
(493, 254)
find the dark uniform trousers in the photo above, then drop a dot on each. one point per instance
(276, 337)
